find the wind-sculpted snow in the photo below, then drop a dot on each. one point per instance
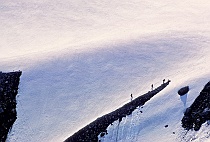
(59, 93)
(90, 132)
(40, 26)
(8, 90)
(81, 56)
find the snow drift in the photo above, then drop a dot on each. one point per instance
(82, 59)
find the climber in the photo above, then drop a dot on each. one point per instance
(131, 97)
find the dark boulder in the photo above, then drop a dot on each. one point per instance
(183, 90)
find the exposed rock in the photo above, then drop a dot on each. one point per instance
(91, 132)
(8, 90)
(199, 112)
(183, 90)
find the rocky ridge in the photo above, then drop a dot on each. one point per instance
(199, 112)
(8, 90)
(91, 132)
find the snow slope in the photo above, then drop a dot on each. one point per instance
(60, 96)
(160, 119)
(82, 59)
(40, 26)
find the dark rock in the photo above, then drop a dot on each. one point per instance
(188, 111)
(102, 134)
(166, 126)
(199, 112)
(8, 90)
(91, 132)
(120, 119)
(183, 90)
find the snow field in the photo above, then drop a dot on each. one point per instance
(82, 59)
(57, 96)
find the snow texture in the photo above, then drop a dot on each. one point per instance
(82, 59)
(99, 126)
(160, 121)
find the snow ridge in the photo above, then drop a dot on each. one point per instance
(91, 131)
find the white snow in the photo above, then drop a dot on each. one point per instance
(164, 109)
(82, 59)
(40, 26)
(184, 99)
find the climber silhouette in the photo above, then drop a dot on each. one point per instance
(131, 97)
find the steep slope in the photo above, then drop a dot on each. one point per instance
(64, 94)
(8, 91)
(59, 94)
(160, 120)
(82, 59)
(91, 131)
(198, 113)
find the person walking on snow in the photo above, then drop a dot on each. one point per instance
(152, 86)
(131, 97)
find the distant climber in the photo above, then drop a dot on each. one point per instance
(131, 97)
(164, 81)
(152, 87)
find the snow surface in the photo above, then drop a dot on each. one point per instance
(82, 59)
(166, 109)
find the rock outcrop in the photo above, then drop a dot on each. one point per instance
(183, 90)
(8, 90)
(199, 112)
(90, 132)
